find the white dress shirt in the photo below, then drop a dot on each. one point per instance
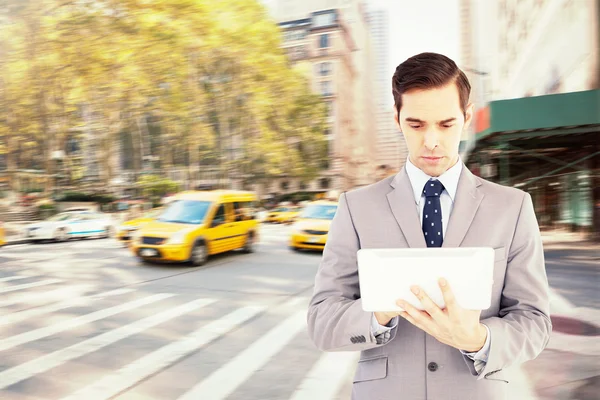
(449, 179)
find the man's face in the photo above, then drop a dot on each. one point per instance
(432, 122)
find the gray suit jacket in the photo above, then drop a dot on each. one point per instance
(384, 215)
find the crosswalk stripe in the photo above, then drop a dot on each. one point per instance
(225, 380)
(57, 358)
(14, 278)
(63, 292)
(72, 323)
(129, 375)
(29, 285)
(327, 376)
(72, 302)
(559, 304)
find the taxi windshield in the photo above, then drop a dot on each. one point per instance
(185, 212)
(319, 211)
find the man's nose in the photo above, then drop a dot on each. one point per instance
(431, 139)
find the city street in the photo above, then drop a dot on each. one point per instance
(86, 320)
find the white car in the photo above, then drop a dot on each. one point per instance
(72, 224)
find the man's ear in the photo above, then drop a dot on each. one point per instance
(396, 119)
(468, 116)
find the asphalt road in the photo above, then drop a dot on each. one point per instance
(86, 320)
(575, 275)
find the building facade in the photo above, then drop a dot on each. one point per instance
(539, 130)
(391, 149)
(321, 46)
(545, 47)
(330, 41)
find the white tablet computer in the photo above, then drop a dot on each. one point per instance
(386, 275)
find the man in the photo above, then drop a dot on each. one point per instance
(434, 201)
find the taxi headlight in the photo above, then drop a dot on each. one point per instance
(136, 237)
(177, 238)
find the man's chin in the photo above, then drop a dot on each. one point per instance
(433, 171)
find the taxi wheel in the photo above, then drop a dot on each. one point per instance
(61, 235)
(109, 232)
(199, 254)
(249, 245)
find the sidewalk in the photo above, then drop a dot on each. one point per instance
(565, 240)
(569, 368)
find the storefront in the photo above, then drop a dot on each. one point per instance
(548, 146)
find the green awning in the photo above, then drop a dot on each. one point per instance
(565, 112)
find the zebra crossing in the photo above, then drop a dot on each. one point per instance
(135, 342)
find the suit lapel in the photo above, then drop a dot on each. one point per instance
(402, 203)
(467, 201)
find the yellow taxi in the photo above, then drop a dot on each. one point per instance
(198, 224)
(312, 227)
(128, 227)
(283, 215)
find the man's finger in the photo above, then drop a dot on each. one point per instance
(448, 295)
(410, 319)
(421, 318)
(429, 305)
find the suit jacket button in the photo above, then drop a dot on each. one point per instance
(432, 367)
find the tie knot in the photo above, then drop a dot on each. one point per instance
(433, 188)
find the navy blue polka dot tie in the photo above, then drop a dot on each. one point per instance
(432, 214)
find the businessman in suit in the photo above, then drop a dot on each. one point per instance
(434, 201)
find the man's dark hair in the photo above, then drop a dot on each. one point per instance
(429, 71)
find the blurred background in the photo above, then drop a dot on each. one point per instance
(110, 109)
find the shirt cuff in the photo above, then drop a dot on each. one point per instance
(377, 329)
(481, 355)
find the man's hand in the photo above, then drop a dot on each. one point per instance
(384, 318)
(453, 326)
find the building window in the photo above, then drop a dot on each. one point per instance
(297, 52)
(303, 186)
(323, 20)
(325, 69)
(324, 183)
(326, 88)
(285, 185)
(324, 41)
(325, 161)
(290, 36)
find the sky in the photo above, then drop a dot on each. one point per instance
(417, 26)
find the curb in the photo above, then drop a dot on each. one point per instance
(16, 242)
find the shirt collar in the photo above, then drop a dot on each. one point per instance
(418, 179)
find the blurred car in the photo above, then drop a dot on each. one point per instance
(261, 215)
(312, 227)
(71, 224)
(125, 230)
(2, 234)
(283, 215)
(198, 224)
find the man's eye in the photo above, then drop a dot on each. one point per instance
(447, 126)
(415, 126)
